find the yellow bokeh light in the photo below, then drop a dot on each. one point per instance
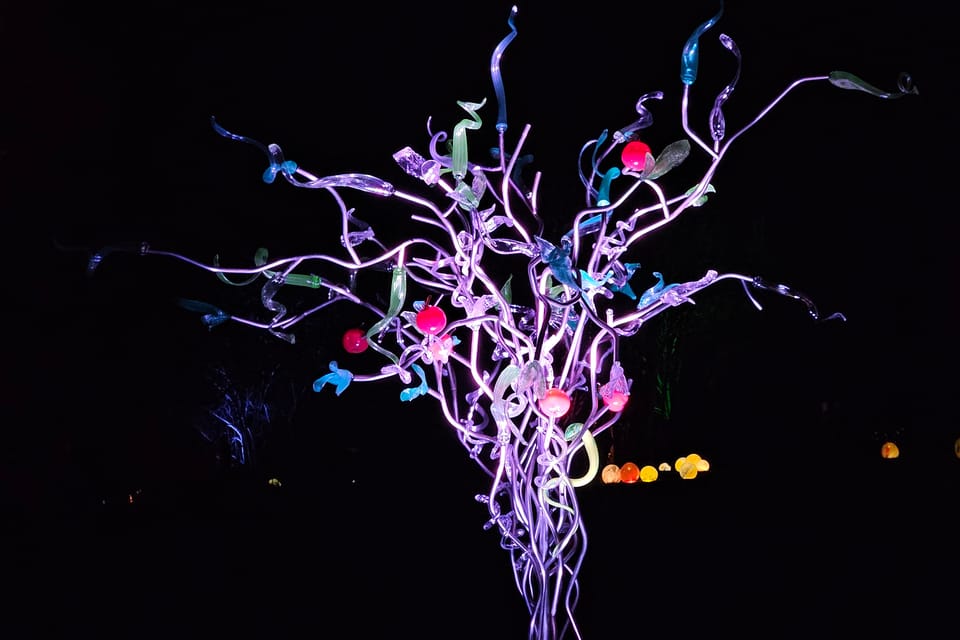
(648, 473)
(703, 465)
(665, 466)
(687, 470)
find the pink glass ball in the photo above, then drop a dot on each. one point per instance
(354, 341)
(634, 155)
(616, 401)
(555, 402)
(431, 320)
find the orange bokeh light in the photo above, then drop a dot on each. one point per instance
(629, 473)
(610, 474)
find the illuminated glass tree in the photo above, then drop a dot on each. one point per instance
(515, 336)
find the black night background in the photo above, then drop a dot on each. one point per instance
(354, 516)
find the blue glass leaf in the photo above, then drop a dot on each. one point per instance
(340, 378)
(273, 153)
(214, 319)
(558, 259)
(197, 305)
(589, 282)
(653, 294)
(690, 58)
(270, 173)
(420, 390)
(621, 276)
(212, 316)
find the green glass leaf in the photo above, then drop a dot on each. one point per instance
(671, 156)
(703, 198)
(846, 80)
(223, 278)
(303, 280)
(297, 279)
(398, 293)
(507, 290)
(459, 142)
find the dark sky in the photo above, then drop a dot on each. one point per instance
(844, 196)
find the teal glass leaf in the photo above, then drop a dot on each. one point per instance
(603, 195)
(572, 431)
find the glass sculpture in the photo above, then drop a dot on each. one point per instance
(526, 370)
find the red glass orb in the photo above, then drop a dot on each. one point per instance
(431, 320)
(629, 473)
(634, 155)
(616, 401)
(555, 402)
(354, 341)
